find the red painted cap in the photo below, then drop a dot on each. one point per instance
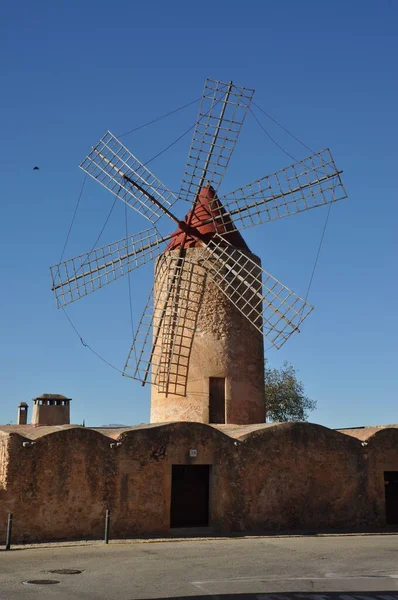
(204, 220)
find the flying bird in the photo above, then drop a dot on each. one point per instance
(36, 168)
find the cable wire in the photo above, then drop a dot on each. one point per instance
(295, 159)
(74, 217)
(88, 346)
(318, 252)
(170, 145)
(272, 138)
(282, 127)
(129, 289)
(95, 243)
(99, 235)
(172, 112)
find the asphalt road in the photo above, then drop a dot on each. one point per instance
(306, 568)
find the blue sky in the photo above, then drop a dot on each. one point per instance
(71, 70)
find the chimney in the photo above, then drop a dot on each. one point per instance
(22, 413)
(51, 409)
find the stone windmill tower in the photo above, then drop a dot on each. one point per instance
(200, 338)
(215, 373)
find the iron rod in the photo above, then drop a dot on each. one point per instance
(217, 131)
(135, 184)
(9, 531)
(107, 526)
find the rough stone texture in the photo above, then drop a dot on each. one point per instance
(46, 414)
(381, 454)
(22, 418)
(263, 477)
(304, 476)
(3, 460)
(213, 339)
(363, 433)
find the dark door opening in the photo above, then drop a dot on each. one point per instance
(391, 487)
(217, 400)
(189, 496)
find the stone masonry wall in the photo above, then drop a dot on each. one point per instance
(3, 460)
(304, 477)
(282, 477)
(213, 339)
(381, 452)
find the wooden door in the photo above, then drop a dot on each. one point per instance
(391, 491)
(189, 496)
(217, 400)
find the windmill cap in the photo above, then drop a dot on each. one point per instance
(206, 220)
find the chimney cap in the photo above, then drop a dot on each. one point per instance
(52, 397)
(23, 405)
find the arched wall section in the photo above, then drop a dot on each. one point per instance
(381, 450)
(299, 475)
(282, 477)
(58, 486)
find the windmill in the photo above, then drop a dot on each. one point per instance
(212, 303)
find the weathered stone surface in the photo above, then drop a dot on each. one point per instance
(51, 409)
(263, 477)
(213, 339)
(3, 460)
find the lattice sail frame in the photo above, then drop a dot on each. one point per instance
(76, 277)
(220, 118)
(271, 307)
(119, 171)
(162, 345)
(314, 181)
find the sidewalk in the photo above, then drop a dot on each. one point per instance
(202, 538)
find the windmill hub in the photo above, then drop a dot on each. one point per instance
(206, 219)
(184, 227)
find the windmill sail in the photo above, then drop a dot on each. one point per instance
(162, 345)
(270, 306)
(221, 114)
(314, 181)
(113, 166)
(76, 277)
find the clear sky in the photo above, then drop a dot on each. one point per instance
(71, 70)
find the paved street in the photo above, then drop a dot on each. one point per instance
(306, 568)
